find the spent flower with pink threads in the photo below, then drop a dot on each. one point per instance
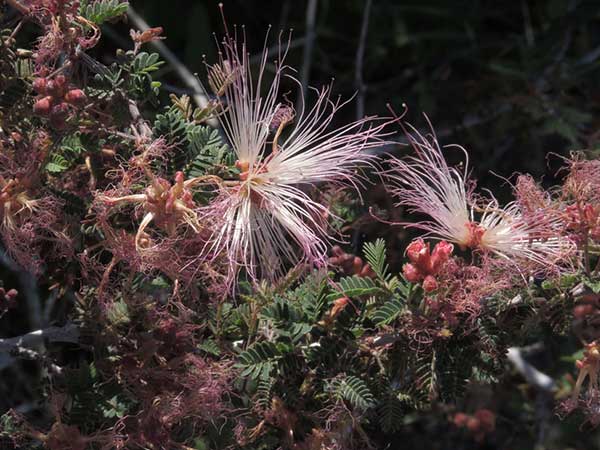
(426, 184)
(267, 219)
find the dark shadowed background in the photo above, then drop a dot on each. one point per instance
(510, 81)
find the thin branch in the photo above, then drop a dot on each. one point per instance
(360, 58)
(138, 120)
(533, 376)
(274, 50)
(18, 6)
(27, 353)
(311, 15)
(468, 122)
(189, 79)
(68, 333)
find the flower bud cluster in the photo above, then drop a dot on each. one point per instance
(56, 99)
(480, 423)
(7, 299)
(349, 264)
(588, 305)
(424, 264)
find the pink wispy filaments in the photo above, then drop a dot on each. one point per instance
(426, 184)
(267, 219)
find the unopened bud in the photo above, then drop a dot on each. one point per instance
(367, 272)
(487, 419)
(42, 106)
(56, 87)
(430, 284)
(441, 253)
(411, 273)
(76, 97)
(336, 250)
(460, 419)
(581, 311)
(243, 166)
(357, 265)
(40, 85)
(416, 249)
(473, 423)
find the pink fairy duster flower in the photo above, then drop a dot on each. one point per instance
(267, 219)
(426, 184)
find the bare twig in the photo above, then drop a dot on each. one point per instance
(274, 50)
(18, 6)
(27, 353)
(360, 58)
(533, 376)
(311, 15)
(68, 333)
(190, 80)
(144, 129)
(468, 122)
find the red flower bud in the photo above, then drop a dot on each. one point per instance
(441, 254)
(460, 419)
(357, 265)
(42, 106)
(581, 311)
(56, 87)
(473, 423)
(242, 166)
(487, 419)
(40, 85)
(367, 272)
(336, 250)
(411, 273)
(430, 283)
(347, 262)
(76, 97)
(416, 250)
(334, 261)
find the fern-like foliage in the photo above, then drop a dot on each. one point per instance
(355, 391)
(259, 360)
(264, 393)
(93, 401)
(376, 255)
(390, 412)
(425, 375)
(197, 149)
(289, 320)
(356, 287)
(390, 311)
(210, 347)
(68, 152)
(101, 11)
(210, 153)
